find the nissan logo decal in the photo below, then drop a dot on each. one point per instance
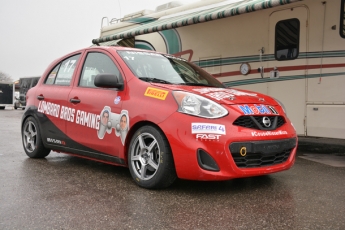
(266, 121)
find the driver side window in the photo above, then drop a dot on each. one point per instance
(96, 63)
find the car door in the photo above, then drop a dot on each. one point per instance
(97, 111)
(51, 96)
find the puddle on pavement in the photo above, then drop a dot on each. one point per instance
(327, 159)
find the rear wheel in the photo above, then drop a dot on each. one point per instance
(2, 107)
(32, 140)
(150, 159)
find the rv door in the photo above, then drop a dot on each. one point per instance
(288, 46)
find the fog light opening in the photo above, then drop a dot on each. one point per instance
(206, 161)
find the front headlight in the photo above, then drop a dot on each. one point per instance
(196, 105)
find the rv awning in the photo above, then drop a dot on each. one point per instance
(224, 11)
(126, 42)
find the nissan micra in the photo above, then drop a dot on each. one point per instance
(157, 114)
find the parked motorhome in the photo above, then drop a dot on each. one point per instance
(292, 50)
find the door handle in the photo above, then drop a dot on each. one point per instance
(74, 100)
(40, 97)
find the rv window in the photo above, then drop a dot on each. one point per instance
(342, 19)
(287, 39)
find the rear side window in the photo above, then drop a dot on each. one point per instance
(63, 72)
(342, 19)
(96, 63)
(287, 39)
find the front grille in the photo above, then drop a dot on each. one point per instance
(261, 153)
(259, 160)
(256, 122)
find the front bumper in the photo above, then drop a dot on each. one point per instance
(237, 154)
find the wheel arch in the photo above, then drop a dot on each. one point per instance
(132, 131)
(27, 115)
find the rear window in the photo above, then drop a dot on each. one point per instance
(63, 72)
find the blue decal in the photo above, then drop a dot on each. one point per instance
(117, 100)
(257, 109)
(245, 109)
(262, 109)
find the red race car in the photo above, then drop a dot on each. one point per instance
(158, 115)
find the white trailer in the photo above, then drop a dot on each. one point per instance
(293, 50)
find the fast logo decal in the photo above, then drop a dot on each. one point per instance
(221, 93)
(269, 133)
(156, 93)
(257, 109)
(208, 131)
(80, 117)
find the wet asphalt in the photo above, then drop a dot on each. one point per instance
(66, 192)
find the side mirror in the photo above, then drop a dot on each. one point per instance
(107, 80)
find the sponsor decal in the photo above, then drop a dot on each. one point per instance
(269, 133)
(273, 110)
(110, 121)
(79, 117)
(117, 100)
(257, 109)
(54, 141)
(49, 108)
(156, 93)
(221, 93)
(208, 128)
(141, 53)
(204, 136)
(103, 122)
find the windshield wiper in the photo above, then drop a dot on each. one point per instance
(195, 84)
(153, 79)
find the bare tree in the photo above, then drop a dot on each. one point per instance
(5, 77)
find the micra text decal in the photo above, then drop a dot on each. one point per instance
(257, 109)
(80, 117)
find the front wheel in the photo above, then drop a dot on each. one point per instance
(150, 159)
(32, 140)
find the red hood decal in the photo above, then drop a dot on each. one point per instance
(228, 96)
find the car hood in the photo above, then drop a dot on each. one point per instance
(228, 96)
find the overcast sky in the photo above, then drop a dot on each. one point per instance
(33, 33)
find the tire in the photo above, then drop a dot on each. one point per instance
(2, 107)
(32, 140)
(150, 159)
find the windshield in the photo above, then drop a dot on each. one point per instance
(167, 69)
